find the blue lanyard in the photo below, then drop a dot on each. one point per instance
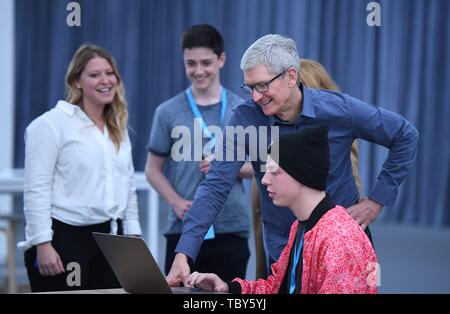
(297, 252)
(198, 115)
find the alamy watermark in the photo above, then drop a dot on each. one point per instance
(240, 143)
(374, 17)
(74, 17)
(73, 279)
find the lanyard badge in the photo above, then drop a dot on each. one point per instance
(198, 117)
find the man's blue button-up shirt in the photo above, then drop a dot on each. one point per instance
(347, 118)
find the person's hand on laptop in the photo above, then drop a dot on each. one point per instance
(179, 272)
(207, 281)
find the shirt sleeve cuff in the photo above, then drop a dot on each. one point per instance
(44, 237)
(158, 153)
(383, 194)
(38, 239)
(132, 228)
(188, 246)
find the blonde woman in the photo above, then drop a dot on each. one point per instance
(79, 178)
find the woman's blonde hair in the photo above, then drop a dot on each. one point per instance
(314, 75)
(116, 114)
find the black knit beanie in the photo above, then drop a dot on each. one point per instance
(304, 155)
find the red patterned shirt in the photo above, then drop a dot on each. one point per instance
(337, 258)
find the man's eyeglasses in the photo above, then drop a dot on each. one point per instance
(260, 87)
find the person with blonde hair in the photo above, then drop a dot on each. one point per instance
(314, 75)
(79, 178)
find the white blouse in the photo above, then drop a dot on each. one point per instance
(74, 174)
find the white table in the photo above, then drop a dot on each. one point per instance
(11, 181)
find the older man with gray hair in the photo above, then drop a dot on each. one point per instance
(271, 69)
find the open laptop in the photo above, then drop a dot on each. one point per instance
(135, 267)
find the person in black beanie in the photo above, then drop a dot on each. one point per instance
(304, 155)
(330, 253)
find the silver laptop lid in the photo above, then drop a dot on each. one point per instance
(133, 263)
